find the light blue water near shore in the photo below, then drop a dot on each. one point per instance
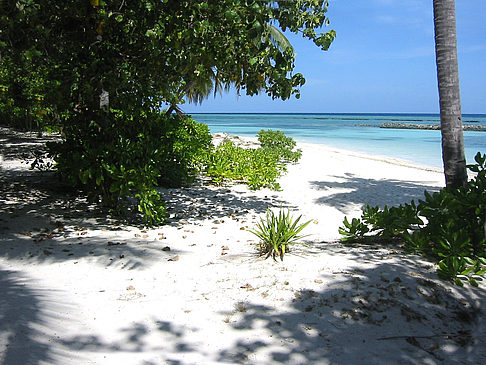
(346, 131)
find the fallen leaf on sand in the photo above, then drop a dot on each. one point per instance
(175, 258)
(130, 287)
(116, 243)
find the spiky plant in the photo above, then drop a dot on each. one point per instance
(277, 231)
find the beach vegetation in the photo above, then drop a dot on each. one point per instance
(448, 226)
(251, 166)
(277, 143)
(257, 167)
(111, 76)
(129, 157)
(354, 230)
(277, 232)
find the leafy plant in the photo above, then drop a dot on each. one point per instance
(448, 225)
(354, 230)
(277, 142)
(128, 156)
(277, 232)
(257, 167)
(383, 223)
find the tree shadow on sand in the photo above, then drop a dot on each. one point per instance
(26, 314)
(391, 310)
(388, 310)
(36, 209)
(354, 190)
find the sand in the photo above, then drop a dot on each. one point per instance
(80, 287)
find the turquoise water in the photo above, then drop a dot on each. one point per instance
(346, 131)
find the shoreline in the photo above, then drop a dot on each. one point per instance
(378, 157)
(253, 141)
(83, 288)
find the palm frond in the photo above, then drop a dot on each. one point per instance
(277, 38)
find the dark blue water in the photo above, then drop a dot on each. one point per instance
(346, 131)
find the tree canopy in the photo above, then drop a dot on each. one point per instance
(102, 71)
(147, 53)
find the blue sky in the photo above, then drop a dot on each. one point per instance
(383, 60)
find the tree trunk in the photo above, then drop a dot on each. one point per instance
(449, 96)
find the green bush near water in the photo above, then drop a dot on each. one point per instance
(449, 226)
(257, 167)
(278, 143)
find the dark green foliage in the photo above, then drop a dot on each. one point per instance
(448, 225)
(277, 142)
(277, 232)
(257, 167)
(100, 72)
(383, 223)
(354, 230)
(22, 101)
(129, 156)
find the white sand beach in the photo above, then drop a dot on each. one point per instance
(78, 287)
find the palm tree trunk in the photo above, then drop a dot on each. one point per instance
(449, 95)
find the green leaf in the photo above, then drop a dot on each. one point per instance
(253, 61)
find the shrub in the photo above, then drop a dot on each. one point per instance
(277, 232)
(278, 143)
(228, 162)
(453, 230)
(385, 223)
(259, 168)
(129, 155)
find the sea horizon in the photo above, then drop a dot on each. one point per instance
(357, 132)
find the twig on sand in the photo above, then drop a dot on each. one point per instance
(447, 335)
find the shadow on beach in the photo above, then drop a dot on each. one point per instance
(43, 220)
(30, 317)
(380, 314)
(354, 190)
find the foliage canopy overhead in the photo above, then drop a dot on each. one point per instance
(152, 52)
(102, 71)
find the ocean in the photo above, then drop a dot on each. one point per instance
(355, 132)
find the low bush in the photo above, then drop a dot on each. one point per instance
(449, 225)
(257, 167)
(278, 143)
(123, 156)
